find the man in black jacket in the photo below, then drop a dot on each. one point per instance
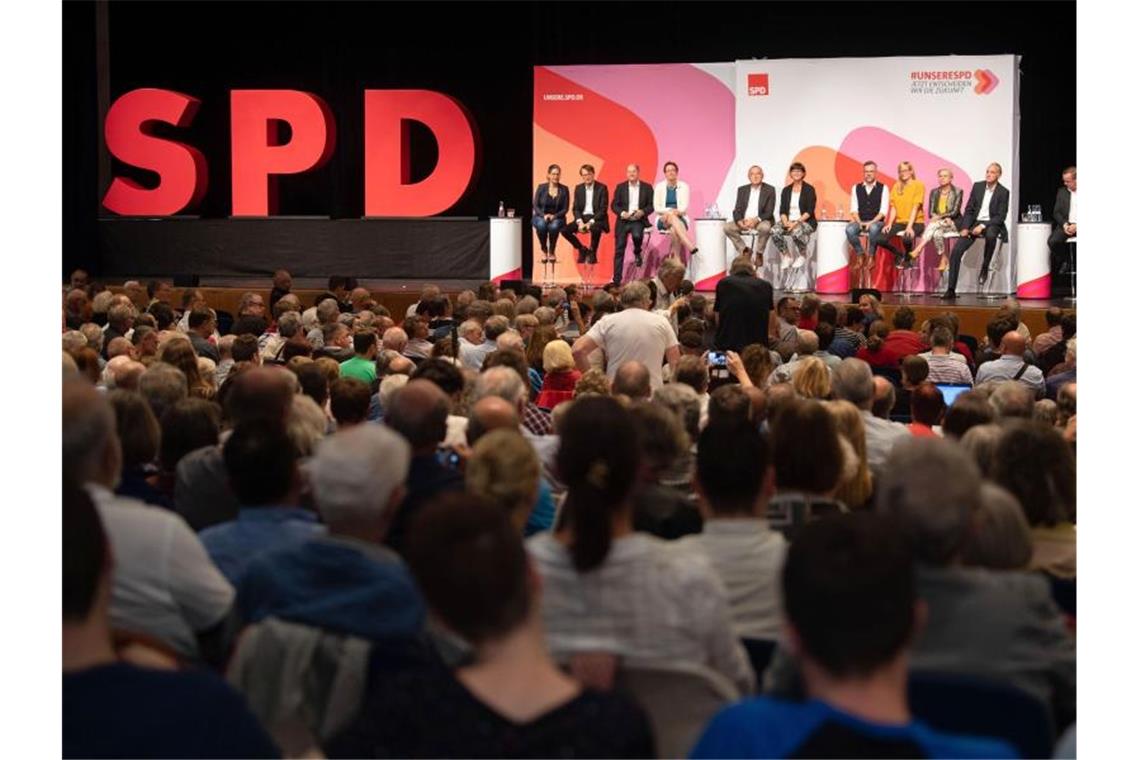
(633, 203)
(754, 212)
(984, 217)
(1065, 217)
(743, 303)
(591, 200)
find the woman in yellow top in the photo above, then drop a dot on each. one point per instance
(905, 213)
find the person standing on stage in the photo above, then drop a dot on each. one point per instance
(551, 202)
(633, 203)
(906, 212)
(984, 217)
(671, 203)
(869, 205)
(1065, 215)
(591, 200)
(943, 209)
(755, 203)
(797, 216)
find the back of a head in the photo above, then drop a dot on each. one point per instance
(1012, 399)
(355, 473)
(1038, 467)
(981, 442)
(491, 413)
(841, 572)
(88, 429)
(516, 360)
(884, 399)
(931, 486)
(731, 465)
(1069, 325)
(261, 393)
(903, 318)
(597, 460)
(445, 375)
(926, 404)
(137, 428)
(503, 382)
(806, 451)
(662, 437)
(824, 334)
(969, 409)
(812, 378)
(1000, 324)
(635, 295)
(1001, 539)
(632, 379)
(807, 342)
(419, 413)
(470, 564)
(190, 424)
(828, 314)
(915, 369)
(685, 405)
(557, 357)
(853, 381)
(349, 399)
(742, 265)
(693, 372)
(729, 406)
(261, 462)
(86, 556)
(163, 385)
(314, 382)
(504, 469)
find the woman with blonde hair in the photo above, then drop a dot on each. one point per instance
(906, 212)
(561, 375)
(504, 469)
(180, 354)
(855, 492)
(943, 208)
(812, 378)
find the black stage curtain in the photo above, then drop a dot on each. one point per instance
(437, 248)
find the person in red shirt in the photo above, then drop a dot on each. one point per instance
(809, 312)
(876, 352)
(903, 340)
(926, 409)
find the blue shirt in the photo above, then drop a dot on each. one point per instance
(337, 584)
(542, 515)
(764, 727)
(232, 545)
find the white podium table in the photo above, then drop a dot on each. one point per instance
(506, 249)
(1033, 276)
(715, 257)
(832, 272)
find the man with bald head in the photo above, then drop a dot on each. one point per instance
(201, 489)
(884, 400)
(633, 203)
(419, 413)
(164, 584)
(395, 339)
(1011, 365)
(632, 380)
(119, 346)
(123, 372)
(491, 413)
(359, 298)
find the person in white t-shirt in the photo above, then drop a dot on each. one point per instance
(633, 334)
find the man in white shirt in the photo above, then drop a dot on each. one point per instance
(633, 203)
(1011, 365)
(870, 202)
(754, 212)
(590, 215)
(473, 349)
(1065, 219)
(984, 217)
(633, 334)
(164, 582)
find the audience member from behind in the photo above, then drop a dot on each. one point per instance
(969, 409)
(926, 409)
(511, 699)
(734, 481)
(1012, 365)
(853, 382)
(346, 581)
(855, 488)
(349, 399)
(164, 582)
(660, 509)
(139, 437)
(809, 460)
(261, 464)
(1000, 539)
(633, 381)
(505, 470)
(659, 602)
(840, 573)
(111, 708)
(1037, 466)
(419, 413)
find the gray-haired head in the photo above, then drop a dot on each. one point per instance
(1001, 539)
(355, 474)
(684, 402)
(980, 442)
(1012, 399)
(289, 324)
(503, 382)
(91, 450)
(853, 381)
(931, 487)
(635, 295)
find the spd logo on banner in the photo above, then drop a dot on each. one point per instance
(758, 84)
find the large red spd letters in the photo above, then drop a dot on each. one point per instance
(260, 154)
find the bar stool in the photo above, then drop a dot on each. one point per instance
(985, 293)
(1072, 243)
(754, 235)
(864, 272)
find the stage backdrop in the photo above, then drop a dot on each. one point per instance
(831, 114)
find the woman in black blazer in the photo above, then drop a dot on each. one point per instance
(797, 217)
(551, 202)
(942, 212)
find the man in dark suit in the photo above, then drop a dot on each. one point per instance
(1065, 217)
(754, 212)
(633, 203)
(591, 200)
(743, 302)
(984, 217)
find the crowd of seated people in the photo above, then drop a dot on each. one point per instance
(545, 524)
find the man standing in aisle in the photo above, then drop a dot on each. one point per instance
(984, 217)
(633, 203)
(870, 201)
(590, 215)
(753, 212)
(1065, 216)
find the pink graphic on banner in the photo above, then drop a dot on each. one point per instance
(1040, 288)
(888, 149)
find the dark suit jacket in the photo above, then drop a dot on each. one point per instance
(562, 202)
(807, 202)
(999, 207)
(1061, 207)
(644, 200)
(767, 202)
(601, 203)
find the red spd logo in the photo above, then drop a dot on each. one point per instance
(757, 84)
